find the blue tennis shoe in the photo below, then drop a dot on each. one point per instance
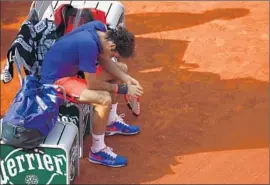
(107, 157)
(120, 127)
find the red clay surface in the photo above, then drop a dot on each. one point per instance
(204, 68)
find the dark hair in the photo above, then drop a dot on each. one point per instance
(124, 41)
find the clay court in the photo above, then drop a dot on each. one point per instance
(204, 69)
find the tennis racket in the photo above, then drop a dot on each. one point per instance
(133, 104)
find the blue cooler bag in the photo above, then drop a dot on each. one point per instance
(32, 114)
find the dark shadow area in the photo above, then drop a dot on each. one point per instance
(183, 112)
(143, 23)
(149, 22)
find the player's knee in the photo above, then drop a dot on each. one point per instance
(106, 99)
(104, 104)
(101, 98)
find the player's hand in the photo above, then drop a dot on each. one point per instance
(132, 81)
(135, 90)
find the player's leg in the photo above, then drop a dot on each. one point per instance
(99, 152)
(116, 124)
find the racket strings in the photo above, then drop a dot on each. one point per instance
(134, 104)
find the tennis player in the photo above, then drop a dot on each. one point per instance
(78, 51)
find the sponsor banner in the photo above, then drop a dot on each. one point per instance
(43, 166)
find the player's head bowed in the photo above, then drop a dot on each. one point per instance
(124, 41)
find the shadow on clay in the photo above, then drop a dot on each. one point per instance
(143, 23)
(184, 112)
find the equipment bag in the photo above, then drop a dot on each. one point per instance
(32, 114)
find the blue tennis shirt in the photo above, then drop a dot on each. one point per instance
(77, 50)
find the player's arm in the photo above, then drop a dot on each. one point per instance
(131, 87)
(106, 62)
(87, 53)
(94, 84)
(87, 57)
(111, 67)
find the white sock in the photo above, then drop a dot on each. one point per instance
(98, 142)
(112, 114)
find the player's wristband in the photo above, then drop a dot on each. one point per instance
(122, 89)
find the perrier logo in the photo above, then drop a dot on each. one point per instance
(47, 166)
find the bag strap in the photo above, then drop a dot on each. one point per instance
(78, 15)
(61, 16)
(18, 62)
(69, 18)
(58, 87)
(88, 15)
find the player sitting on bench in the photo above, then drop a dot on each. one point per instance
(79, 50)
